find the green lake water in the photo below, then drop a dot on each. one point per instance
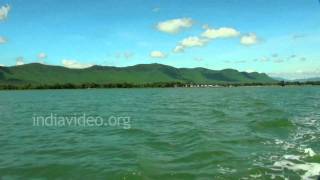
(174, 133)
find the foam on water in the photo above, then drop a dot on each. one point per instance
(297, 155)
(291, 157)
(310, 152)
(297, 162)
(225, 170)
(312, 170)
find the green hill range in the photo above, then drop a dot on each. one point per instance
(37, 74)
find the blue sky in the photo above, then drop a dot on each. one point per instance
(281, 38)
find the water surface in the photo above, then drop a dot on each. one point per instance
(223, 133)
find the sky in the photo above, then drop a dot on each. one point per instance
(280, 38)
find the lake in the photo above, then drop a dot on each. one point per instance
(172, 133)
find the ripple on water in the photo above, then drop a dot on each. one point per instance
(225, 133)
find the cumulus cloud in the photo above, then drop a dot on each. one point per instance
(208, 35)
(74, 64)
(178, 49)
(249, 39)
(157, 54)
(192, 41)
(2, 65)
(223, 32)
(4, 11)
(174, 26)
(3, 40)
(19, 61)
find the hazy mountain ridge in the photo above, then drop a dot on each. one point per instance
(308, 79)
(138, 74)
(312, 79)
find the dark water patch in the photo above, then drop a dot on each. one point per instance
(244, 141)
(176, 176)
(188, 138)
(273, 128)
(139, 132)
(267, 113)
(217, 155)
(50, 171)
(273, 123)
(218, 113)
(313, 159)
(160, 145)
(181, 123)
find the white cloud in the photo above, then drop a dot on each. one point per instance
(223, 32)
(2, 65)
(206, 37)
(193, 41)
(74, 64)
(211, 33)
(178, 49)
(174, 26)
(158, 54)
(42, 55)
(3, 40)
(19, 61)
(4, 11)
(249, 39)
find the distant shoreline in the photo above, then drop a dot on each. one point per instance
(151, 85)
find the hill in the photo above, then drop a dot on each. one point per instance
(139, 74)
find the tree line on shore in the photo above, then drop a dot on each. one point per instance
(146, 85)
